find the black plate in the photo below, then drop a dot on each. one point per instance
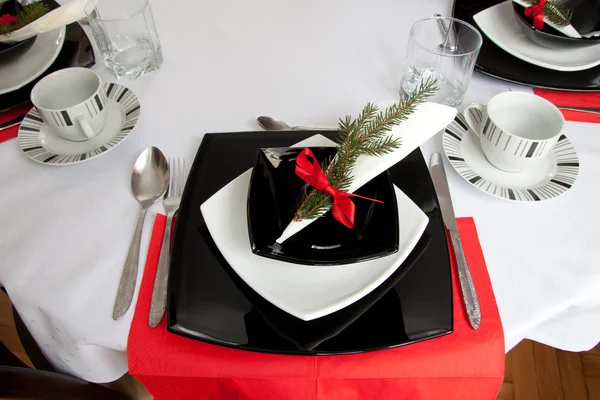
(275, 193)
(10, 51)
(207, 300)
(496, 62)
(548, 36)
(76, 52)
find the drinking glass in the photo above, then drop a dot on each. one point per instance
(126, 36)
(444, 49)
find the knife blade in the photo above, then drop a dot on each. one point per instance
(580, 109)
(469, 295)
(12, 122)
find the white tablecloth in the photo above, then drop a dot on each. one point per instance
(66, 230)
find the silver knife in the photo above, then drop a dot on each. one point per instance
(12, 122)
(438, 175)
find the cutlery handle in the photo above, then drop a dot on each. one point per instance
(129, 276)
(312, 128)
(466, 282)
(159, 291)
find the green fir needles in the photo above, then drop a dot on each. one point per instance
(368, 135)
(557, 14)
(28, 14)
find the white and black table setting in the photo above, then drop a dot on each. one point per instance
(269, 200)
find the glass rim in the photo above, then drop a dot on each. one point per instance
(442, 53)
(145, 4)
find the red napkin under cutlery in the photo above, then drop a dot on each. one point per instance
(11, 132)
(466, 364)
(573, 100)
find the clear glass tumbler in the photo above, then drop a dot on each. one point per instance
(126, 36)
(444, 49)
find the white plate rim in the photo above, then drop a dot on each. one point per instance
(519, 195)
(124, 97)
(43, 67)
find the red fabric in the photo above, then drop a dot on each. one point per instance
(573, 99)
(537, 12)
(309, 170)
(11, 132)
(467, 364)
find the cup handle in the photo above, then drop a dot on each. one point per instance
(85, 126)
(474, 114)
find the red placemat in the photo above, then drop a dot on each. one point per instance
(573, 99)
(9, 133)
(467, 364)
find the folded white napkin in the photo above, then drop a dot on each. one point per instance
(427, 120)
(64, 15)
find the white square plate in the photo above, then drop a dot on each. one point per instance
(306, 292)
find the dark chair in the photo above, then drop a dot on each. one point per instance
(17, 380)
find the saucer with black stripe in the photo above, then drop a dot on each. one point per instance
(42, 144)
(549, 179)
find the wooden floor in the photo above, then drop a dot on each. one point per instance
(533, 371)
(538, 372)
(127, 385)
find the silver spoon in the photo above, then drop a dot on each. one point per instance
(149, 182)
(273, 124)
(445, 30)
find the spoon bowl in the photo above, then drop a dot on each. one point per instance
(150, 176)
(273, 124)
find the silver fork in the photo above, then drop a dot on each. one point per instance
(171, 204)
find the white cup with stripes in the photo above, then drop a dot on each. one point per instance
(517, 130)
(73, 102)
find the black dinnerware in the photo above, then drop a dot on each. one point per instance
(276, 192)
(498, 63)
(207, 301)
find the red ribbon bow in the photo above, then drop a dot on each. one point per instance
(7, 19)
(537, 12)
(310, 171)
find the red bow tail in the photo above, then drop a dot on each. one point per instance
(537, 12)
(310, 171)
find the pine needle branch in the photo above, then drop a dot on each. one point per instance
(557, 14)
(28, 14)
(367, 135)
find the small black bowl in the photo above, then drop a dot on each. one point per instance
(548, 36)
(8, 51)
(275, 193)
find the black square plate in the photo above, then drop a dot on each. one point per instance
(274, 195)
(209, 302)
(498, 63)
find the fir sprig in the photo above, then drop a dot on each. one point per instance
(557, 14)
(28, 14)
(365, 135)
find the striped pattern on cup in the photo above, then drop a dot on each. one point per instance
(508, 143)
(90, 108)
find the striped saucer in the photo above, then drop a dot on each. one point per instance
(553, 177)
(41, 143)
